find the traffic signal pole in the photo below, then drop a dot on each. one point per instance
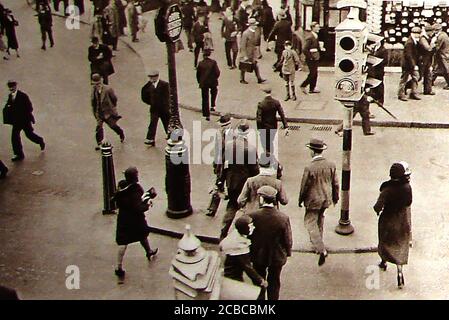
(344, 226)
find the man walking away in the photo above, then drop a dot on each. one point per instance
(229, 31)
(271, 241)
(426, 50)
(248, 51)
(156, 93)
(319, 189)
(290, 63)
(20, 114)
(441, 40)
(104, 107)
(207, 75)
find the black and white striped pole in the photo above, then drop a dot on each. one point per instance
(107, 163)
(344, 226)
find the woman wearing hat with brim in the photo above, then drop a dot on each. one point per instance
(393, 206)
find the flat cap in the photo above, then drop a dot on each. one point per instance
(11, 83)
(416, 30)
(267, 192)
(153, 73)
(96, 78)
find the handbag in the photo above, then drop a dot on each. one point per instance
(246, 66)
(7, 115)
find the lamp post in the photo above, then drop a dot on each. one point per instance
(168, 25)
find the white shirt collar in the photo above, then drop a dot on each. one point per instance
(156, 83)
(13, 95)
(317, 157)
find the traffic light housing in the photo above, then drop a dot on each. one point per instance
(353, 56)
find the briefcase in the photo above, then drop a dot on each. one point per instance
(7, 115)
(246, 66)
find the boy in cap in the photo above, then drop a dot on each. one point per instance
(271, 241)
(319, 189)
(207, 74)
(410, 67)
(290, 63)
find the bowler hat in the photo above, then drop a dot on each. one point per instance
(131, 174)
(252, 22)
(316, 144)
(96, 78)
(11, 83)
(243, 128)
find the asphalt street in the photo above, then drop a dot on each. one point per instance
(50, 205)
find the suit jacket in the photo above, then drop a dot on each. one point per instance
(266, 114)
(249, 198)
(198, 31)
(242, 18)
(228, 28)
(207, 73)
(188, 15)
(271, 242)
(248, 43)
(101, 66)
(442, 45)
(107, 106)
(240, 164)
(158, 98)
(311, 48)
(425, 51)
(282, 31)
(410, 56)
(319, 185)
(21, 109)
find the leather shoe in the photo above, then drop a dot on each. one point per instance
(243, 81)
(17, 158)
(261, 80)
(370, 133)
(429, 93)
(152, 253)
(322, 259)
(42, 145)
(414, 97)
(403, 98)
(314, 91)
(304, 90)
(150, 143)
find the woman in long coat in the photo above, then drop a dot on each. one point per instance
(111, 16)
(393, 205)
(131, 223)
(10, 24)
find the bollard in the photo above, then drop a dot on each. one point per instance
(107, 161)
(197, 274)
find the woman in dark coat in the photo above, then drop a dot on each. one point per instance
(131, 224)
(268, 21)
(10, 24)
(393, 205)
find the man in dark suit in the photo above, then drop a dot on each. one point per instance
(229, 31)
(282, 31)
(271, 241)
(267, 122)
(21, 118)
(312, 52)
(199, 28)
(100, 56)
(207, 75)
(410, 67)
(319, 189)
(240, 163)
(104, 107)
(46, 22)
(426, 51)
(188, 17)
(156, 93)
(242, 15)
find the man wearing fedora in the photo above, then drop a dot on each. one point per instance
(248, 50)
(156, 93)
(240, 163)
(104, 107)
(271, 241)
(20, 116)
(207, 74)
(200, 27)
(266, 118)
(410, 67)
(319, 189)
(223, 135)
(441, 41)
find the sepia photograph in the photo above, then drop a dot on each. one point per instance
(224, 150)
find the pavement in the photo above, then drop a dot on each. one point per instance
(51, 203)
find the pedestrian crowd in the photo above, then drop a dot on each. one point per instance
(261, 240)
